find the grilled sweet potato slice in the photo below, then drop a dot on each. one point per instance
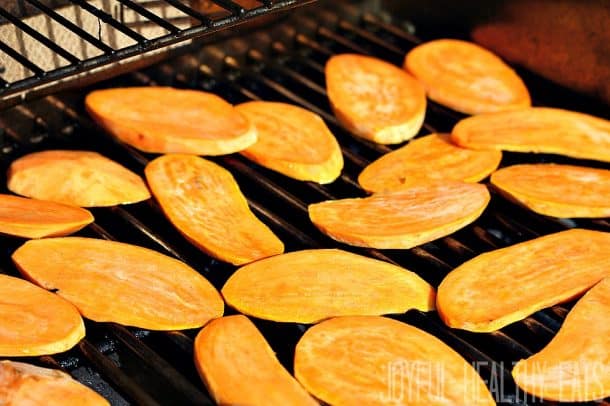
(575, 365)
(167, 120)
(500, 287)
(371, 360)
(538, 129)
(375, 99)
(122, 283)
(466, 77)
(77, 178)
(312, 285)
(34, 321)
(239, 368)
(28, 385)
(205, 204)
(292, 141)
(557, 190)
(403, 218)
(432, 157)
(30, 218)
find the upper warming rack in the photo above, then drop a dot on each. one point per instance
(43, 43)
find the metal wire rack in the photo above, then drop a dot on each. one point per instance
(83, 36)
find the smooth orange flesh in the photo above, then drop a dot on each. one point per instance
(432, 157)
(30, 218)
(239, 368)
(557, 190)
(76, 178)
(116, 282)
(538, 129)
(404, 218)
(205, 204)
(373, 360)
(167, 120)
(312, 285)
(375, 99)
(575, 365)
(506, 285)
(466, 77)
(34, 321)
(28, 385)
(292, 141)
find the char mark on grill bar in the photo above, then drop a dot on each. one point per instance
(134, 366)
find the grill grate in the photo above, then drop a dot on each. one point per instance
(147, 25)
(136, 366)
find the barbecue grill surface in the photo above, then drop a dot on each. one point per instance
(283, 63)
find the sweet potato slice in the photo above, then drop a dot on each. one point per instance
(121, 283)
(506, 285)
(30, 218)
(538, 129)
(167, 120)
(432, 157)
(292, 141)
(466, 77)
(34, 321)
(28, 385)
(77, 178)
(312, 285)
(404, 218)
(557, 190)
(370, 360)
(375, 99)
(575, 365)
(205, 204)
(239, 368)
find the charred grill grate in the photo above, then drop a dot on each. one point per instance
(283, 63)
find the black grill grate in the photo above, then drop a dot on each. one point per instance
(283, 63)
(198, 23)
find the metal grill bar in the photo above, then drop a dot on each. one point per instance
(71, 26)
(108, 19)
(39, 37)
(190, 11)
(231, 6)
(33, 84)
(31, 66)
(149, 15)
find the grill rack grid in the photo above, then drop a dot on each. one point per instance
(199, 24)
(142, 367)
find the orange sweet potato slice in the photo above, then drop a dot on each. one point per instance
(312, 285)
(466, 77)
(30, 218)
(239, 368)
(575, 365)
(292, 141)
(404, 218)
(205, 204)
(538, 129)
(506, 285)
(34, 321)
(77, 178)
(370, 360)
(557, 190)
(28, 385)
(167, 120)
(432, 157)
(116, 282)
(375, 99)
